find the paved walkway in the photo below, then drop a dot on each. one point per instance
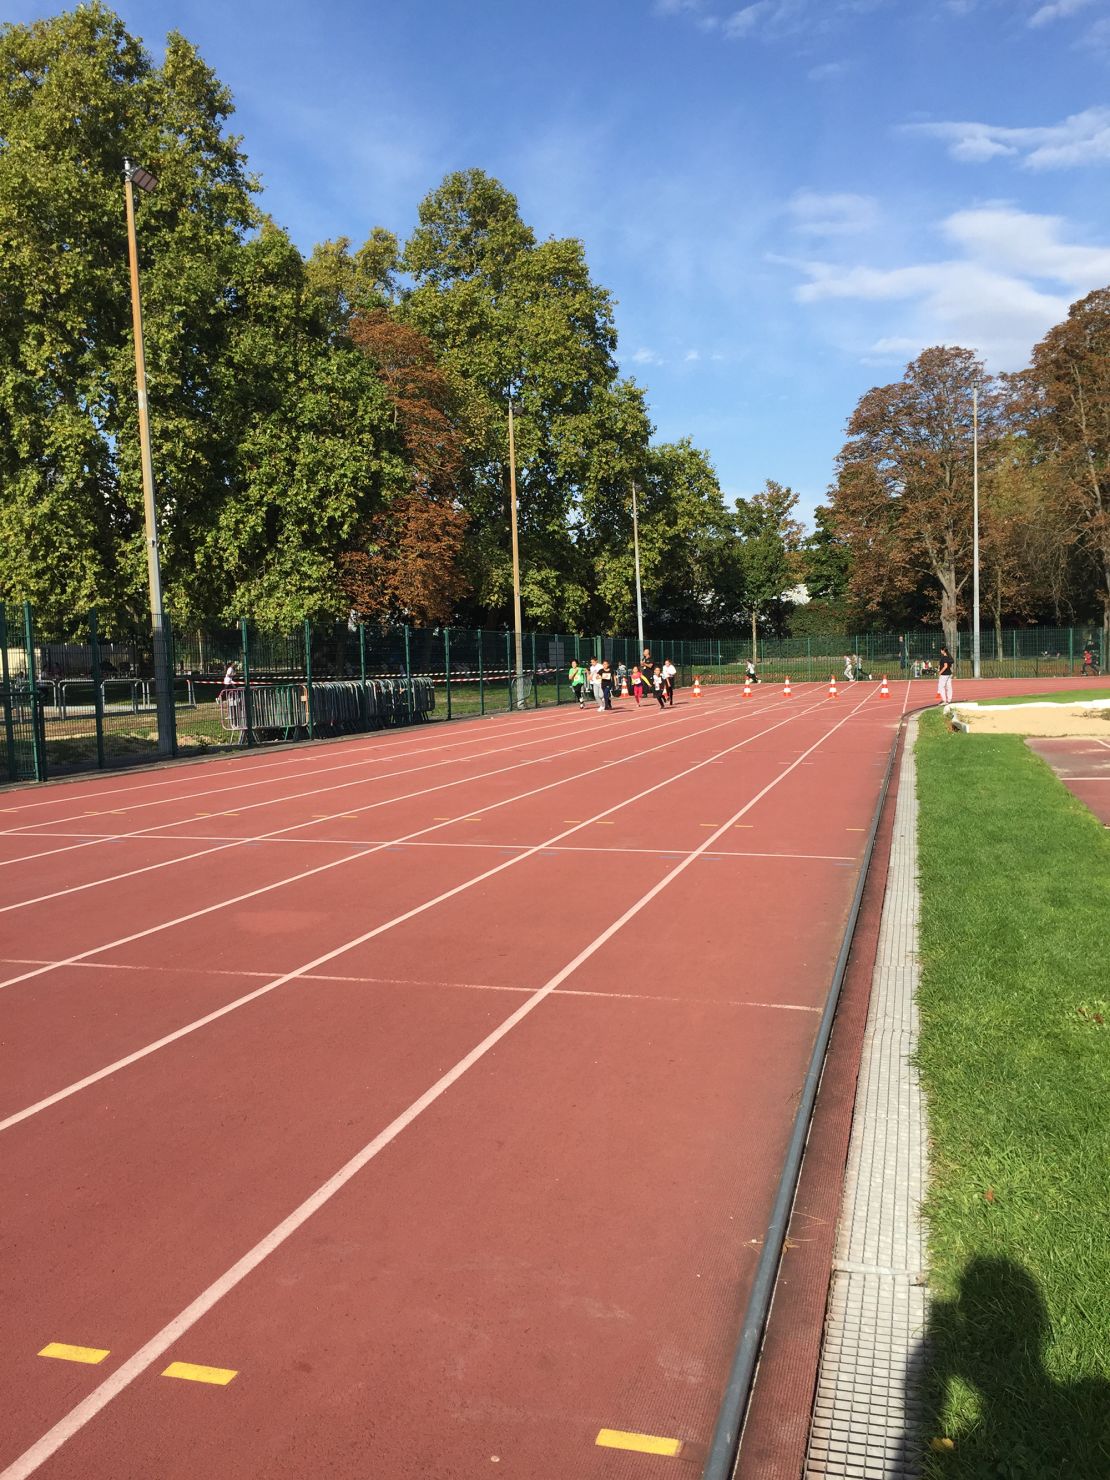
(866, 1420)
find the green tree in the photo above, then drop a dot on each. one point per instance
(77, 94)
(510, 316)
(769, 554)
(313, 449)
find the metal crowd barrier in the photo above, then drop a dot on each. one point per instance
(286, 710)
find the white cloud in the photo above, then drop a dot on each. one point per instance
(691, 356)
(646, 357)
(743, 22)
(1014, 277)
(1058, 10)
(817, 214)
(828, 71)
(1083, 138)
(767, 19)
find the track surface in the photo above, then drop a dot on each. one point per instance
(434, 1084)
(1084, 768)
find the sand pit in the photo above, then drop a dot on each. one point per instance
(1084, 717)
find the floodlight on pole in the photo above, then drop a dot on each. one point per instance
(975, 639)
(518, 639)
(136, 178)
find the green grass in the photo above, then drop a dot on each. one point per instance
(1071, 696)
(1015, 1061)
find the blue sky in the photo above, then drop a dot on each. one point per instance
(788, 198)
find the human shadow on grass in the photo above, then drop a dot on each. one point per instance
(991, 1339)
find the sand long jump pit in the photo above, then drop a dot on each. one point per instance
(1076, 718)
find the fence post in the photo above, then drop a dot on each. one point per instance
(535, 685)
(248, 717)
(362, 674)
(38, 738)
(169, 708)
(447, 665)
(98, 693)
(481, 676)
(560, 654)
(1071, 652)
(9, 727)
(509, 666)
(308, 678)
(408, 669)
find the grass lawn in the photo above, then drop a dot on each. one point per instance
(1015, 1060)
(1071, 696)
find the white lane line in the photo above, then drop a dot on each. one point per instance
(572, 727)
(256, 760)
(408, 981)
(400, 919)
(25, 829)
(72, 1423)
(314, 842)
(242, 842)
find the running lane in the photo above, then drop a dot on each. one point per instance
(567, 1090)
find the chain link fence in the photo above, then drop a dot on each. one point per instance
(87, 698)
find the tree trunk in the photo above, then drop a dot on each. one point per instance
(948, 606)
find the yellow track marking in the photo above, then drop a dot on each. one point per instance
(64, 1353)
(641, 1443)
(744, 824)
(190, 1372)
(855, 829)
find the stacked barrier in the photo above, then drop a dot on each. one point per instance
(288, 711)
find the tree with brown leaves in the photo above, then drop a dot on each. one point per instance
(407, 566)
(903, 496)
(1071, 370)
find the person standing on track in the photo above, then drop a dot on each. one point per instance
(669, 672)
(944, 676)
(637, 685)
(647, 668)
(606, 685)
(595, 684)
(577, 681)
(849, 669)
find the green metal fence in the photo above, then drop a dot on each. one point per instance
(86, 698)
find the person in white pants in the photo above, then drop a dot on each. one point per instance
(944, 676)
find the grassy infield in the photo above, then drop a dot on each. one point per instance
(1015, 1058)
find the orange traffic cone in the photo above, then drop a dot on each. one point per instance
(697, 687)
(786, 688)
(884, 692)
(624, 686)
(832, 685)
(747, 689)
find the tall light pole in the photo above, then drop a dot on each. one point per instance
(133, 175)
(519, 643)
(636, 549)
(975, 645)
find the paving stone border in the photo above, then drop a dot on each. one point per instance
(867, 1415)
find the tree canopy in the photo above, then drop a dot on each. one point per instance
(330, 430)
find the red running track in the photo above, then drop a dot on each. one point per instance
(1084, 768)
(433, 1085)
